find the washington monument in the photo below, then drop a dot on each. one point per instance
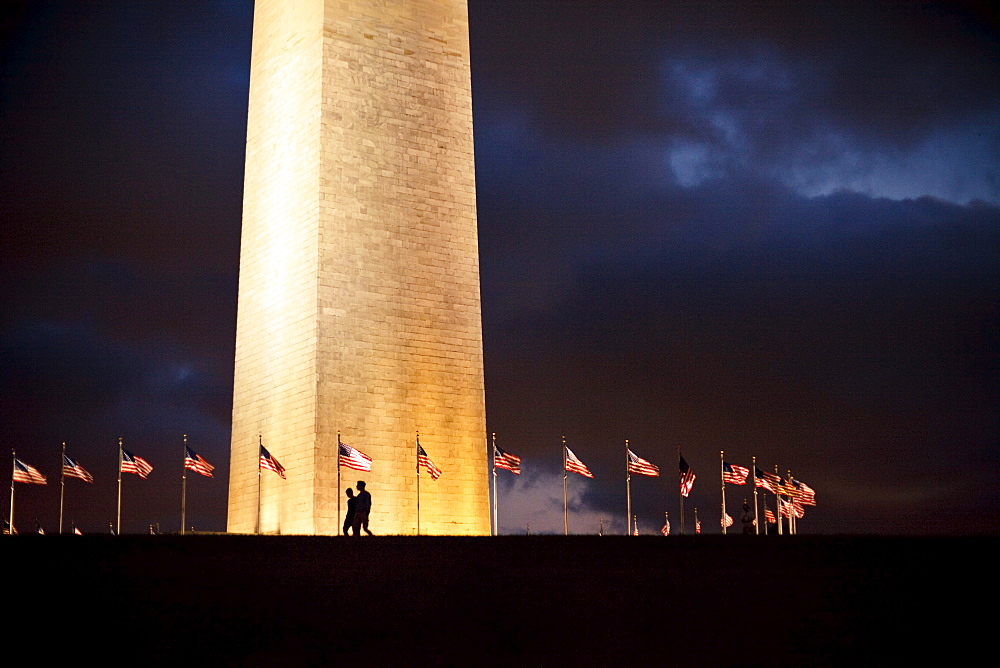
(359, 307)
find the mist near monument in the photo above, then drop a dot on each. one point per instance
(771, 230)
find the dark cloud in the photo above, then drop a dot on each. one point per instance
(852, 335)
(896, 100)
(599, 66)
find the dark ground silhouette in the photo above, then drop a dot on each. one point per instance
(538, 600)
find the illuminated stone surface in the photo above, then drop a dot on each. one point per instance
(359, 269)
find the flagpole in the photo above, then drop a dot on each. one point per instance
(722, 479)
(496, 526)
(777, 499)
(184, 485)
(62, 486)
(791, 508)
(13, 468)
(260, 449)
(628, 493)
(339, 483)
(565, 495)
(756, 520)
(118, 525)
(792, 520)
(680, 493)
(418, 483)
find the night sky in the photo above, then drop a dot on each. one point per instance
(766, 228)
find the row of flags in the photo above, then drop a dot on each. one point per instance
(797, 492)
(791, 495)
(772, 482)
(731, 473)
(129, 463)
(353, 458)
(635, 464)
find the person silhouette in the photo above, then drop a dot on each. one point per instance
(362, 510)
(352, 505)
(748, 522)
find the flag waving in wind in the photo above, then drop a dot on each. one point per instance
(789, 508)
(733, 474)
(687, 478)
(270, 463)
(574, 464)
(72, 469)
(195, 462)
(804, 494)
(425, 461)
(26, 473)
(766, 480)
(132, 464)
(353, 458)
(640, 466)
(505, 460)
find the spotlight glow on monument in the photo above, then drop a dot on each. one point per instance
(359, 270)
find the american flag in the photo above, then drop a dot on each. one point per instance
(195, 462)
(505, 460)
(270, 463)
(425, 461)
(687, 478)
(727, 520)
(733, 474)
(768, 481)
(353, 458)
(27, 473)
(72, 469)
(769, 514)
(785, 487)
(575, 465)
(665, 529)
(133, 464)
(640, 466)
(697, 526)
(789, 508)
(77, 531)
(804, 494)
(798, 509)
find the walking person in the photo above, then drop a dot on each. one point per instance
(352, 504)
(362, 510)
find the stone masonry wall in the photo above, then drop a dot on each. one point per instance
(359, 280)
